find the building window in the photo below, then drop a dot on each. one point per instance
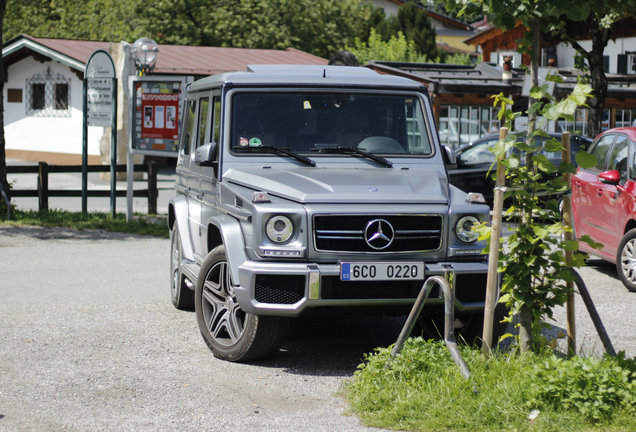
(625, 117)
(61, 96)
(48, 95)
(461, 124)
(37, 96)
(579, 126)
(627, 63)
(500, 56)
(549, 56)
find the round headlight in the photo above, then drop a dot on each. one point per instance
(279, 229)
(464, 229)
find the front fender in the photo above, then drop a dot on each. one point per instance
(232, 237)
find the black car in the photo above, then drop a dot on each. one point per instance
(474, 161)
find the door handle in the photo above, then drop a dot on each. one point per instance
(599, 192)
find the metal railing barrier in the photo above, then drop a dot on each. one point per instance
(447, 285)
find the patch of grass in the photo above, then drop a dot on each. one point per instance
(422, 390)
(150, 225)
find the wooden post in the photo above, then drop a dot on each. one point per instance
(567, 225)
(152, 187)
(43, 186)
(493, 257)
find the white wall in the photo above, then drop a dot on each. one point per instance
(389, 7)
(566, 54)
(45, 134)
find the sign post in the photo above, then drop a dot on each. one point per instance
(100, 109)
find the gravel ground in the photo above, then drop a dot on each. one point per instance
(90, 341)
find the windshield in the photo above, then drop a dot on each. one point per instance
(310, 122)
(481, 153)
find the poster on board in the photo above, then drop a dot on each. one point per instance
(156, 112)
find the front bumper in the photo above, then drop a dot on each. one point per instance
(286, 289)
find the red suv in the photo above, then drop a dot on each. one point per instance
(604, 201)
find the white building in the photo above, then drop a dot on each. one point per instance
(43, 91)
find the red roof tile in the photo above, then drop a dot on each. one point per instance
(190, 60)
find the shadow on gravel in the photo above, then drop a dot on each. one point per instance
(57, 233)
(333, 345)
(605, 267)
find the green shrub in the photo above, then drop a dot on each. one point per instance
(422, 390)
(593, 388)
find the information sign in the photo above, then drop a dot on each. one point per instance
(99, 98)
(156, 114)
(99, 76)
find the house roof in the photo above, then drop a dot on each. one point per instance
(172, 59)
(448, 78)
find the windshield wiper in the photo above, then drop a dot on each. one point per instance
(350, 150)
(279, 151)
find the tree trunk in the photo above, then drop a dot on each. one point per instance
(525, 330)
(3, 162)
(600, 38)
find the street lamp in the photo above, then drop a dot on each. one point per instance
(145, 52)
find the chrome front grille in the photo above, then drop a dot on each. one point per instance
(350, 233)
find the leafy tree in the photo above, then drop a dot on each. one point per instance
(397, 48)
(415, 24)
(73, 19)
(534, 266)
(593, 19)
(568, 21)
(317, 26)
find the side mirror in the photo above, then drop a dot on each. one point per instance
(611, 177)
(451, 158)
(206, 154)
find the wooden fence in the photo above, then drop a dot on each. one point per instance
(43, 170)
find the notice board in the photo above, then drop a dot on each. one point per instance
(157, 105)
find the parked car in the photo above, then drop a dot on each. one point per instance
(475, 170)
(304, 188)
(604, 201)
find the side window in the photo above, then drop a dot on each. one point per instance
(416, 132)
(203, 120)
(618, 157)
(601, 149)
(188, 129)
(216, 131)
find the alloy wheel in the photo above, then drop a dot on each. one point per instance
(224, 319)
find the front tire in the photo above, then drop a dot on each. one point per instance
(626, 260)
(182, 297)
(231, 333)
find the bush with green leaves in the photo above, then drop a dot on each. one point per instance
(594, 388)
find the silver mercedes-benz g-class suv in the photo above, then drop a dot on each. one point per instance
(300, 187)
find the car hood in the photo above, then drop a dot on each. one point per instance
(346, 185)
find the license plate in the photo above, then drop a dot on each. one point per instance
(381, 271)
